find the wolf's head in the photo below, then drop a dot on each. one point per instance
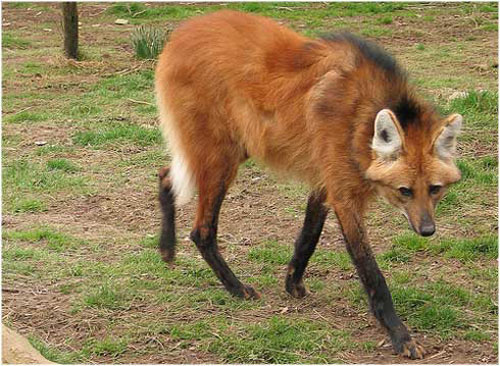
(413, 167)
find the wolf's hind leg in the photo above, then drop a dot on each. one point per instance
(167, 204)
(212, 190)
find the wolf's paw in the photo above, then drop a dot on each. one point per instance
(297, 290)
(410, 349)
(167, 254)
(246, 292)
(249, 293)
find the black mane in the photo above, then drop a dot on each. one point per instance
(406, 107)
(369, 50)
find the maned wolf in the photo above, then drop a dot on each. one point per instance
(336, 112)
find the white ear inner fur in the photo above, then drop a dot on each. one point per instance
(386, 141)
(446, 142)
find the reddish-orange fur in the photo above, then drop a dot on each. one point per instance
(236, 86)
(241, 85)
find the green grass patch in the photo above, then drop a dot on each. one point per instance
(53, 354)
(477, 175)
(53, 150)
(105, 296)
(395, 255)
(147, 261)
(450, 202)
(150, 241)
(280, 340)
(384, 20)
(109, 347)
(28, 205)
(10, 40)
(121, 86)
(33, 68)
(479, 109)
(402, 249)
(17, 253)
(376, 32)
(104, 347)
(365, 8)
(330, 258)
(53, 239)
(270, 252)
(18, 5)
(148, 42)
(469, 249)
(283, 10)
(118, 133)
(146, 159)
(489, 8)
(476, 336)
(479, 171)
(426, 310)
(126, 9)
(27, 176)
(195, 331)
(464, 249)
(490, 27)
(27, 116)
(62, 164)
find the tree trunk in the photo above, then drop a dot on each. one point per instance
(70, 28)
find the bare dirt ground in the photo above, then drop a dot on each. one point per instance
(120, 209)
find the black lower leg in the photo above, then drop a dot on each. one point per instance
(167, 204)
(379, 296)
(205, 238)
(305, 244)
(375, 285)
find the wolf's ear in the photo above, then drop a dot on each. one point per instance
(446, 140)
(387, 136)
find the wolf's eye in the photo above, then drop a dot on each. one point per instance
(407, 192)
(434, 189)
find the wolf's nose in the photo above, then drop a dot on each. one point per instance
(427, 229)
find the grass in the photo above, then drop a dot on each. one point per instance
(437, 307)
(479, 108)
(62, 164)
(270, 253)
(385, 20)
(92, 347)
(420, 47)
(9, 40)
(27, 116)
(28, 205)
(288, 10)
(119, 133)
(105, 296)
(23, 179)
(53, 239)
(406, 245)
(469, 249)
(280, 341)
(118, 302)
(148, 42)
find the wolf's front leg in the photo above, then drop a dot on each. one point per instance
(374, 282)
